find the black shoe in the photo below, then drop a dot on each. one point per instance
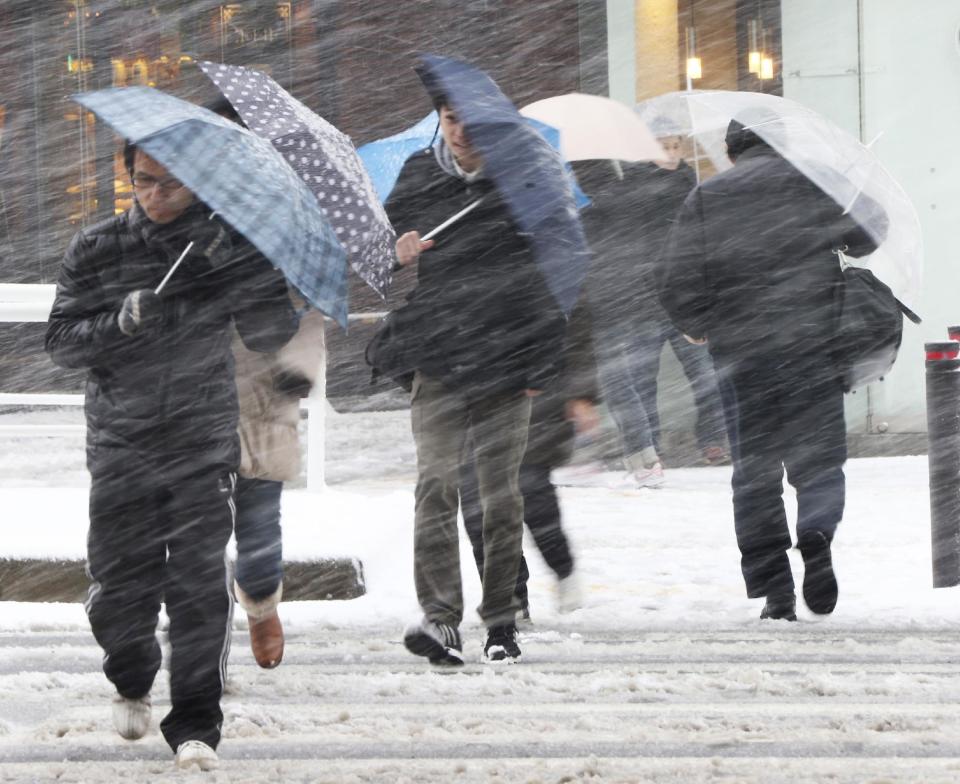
(780, 607)
(439, 642)
(819, 581)
(501, 645)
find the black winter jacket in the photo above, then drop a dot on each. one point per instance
(484, 320)
(163, 403)
(749, 264)
(626, 225)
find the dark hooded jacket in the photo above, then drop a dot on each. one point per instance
(748, 263)
(164, 402)
(482, 318)
(626, 225)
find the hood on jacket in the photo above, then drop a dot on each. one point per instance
(447, 162)
(741, 137)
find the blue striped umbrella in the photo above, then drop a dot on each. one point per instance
(242, 178)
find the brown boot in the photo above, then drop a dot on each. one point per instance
(266, 640)
(266, 631)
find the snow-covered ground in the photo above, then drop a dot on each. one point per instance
(666, 674)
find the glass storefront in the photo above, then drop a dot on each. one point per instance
(61, 169)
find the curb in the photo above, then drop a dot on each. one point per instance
(41, 580)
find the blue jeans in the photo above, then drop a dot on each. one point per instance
(620, 372)
(629, 362)
(257, 531)
(697, 367)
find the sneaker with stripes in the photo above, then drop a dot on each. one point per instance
(439, 642)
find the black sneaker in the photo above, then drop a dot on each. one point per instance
(780, 607)
(819, 582)
(439, 642)
(501, 646)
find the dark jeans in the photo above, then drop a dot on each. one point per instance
(257, 531)
(782, 414)
(541, 513)
(149, 543)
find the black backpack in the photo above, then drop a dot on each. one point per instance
(870, 327)
(395, 349)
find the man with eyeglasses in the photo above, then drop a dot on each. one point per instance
(162, 446)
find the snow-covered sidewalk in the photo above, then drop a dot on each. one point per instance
(665, 675)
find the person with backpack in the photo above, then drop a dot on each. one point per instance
(750, 269)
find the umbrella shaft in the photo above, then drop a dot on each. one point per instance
(451, 220)
(173, 269)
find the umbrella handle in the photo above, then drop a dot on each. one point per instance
(177, 263)
(451, 220)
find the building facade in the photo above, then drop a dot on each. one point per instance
(884, 70)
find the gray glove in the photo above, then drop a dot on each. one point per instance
(142, 310)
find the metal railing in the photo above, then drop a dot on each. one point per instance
(31, 302)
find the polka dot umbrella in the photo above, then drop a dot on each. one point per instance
(326, 161)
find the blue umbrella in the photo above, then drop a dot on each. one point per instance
(527, 172)
(242, 178)
(384, 158)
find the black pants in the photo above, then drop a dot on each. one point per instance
(541, 513)
(150, 542)
(782, 413)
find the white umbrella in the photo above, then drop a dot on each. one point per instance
(593, 127)
(837, 162)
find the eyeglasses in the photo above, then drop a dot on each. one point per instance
(144, 182)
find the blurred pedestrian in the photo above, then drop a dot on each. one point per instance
(749, 269)
(269, 388)
(633, 206)
(615, 286)
(661, 187)
(566, 407)
(162, 446)
(487, 341)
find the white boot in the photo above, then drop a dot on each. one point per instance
(196, 752)
(131, 718)
(569, 593)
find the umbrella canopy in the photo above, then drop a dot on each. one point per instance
(526, 171)
(594, 127)
(242, 178)
(837, 162)
(384, 158)
(324, 158)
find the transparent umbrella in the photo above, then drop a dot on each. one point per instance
(837, 162)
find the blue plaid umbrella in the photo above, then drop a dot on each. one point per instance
(326, 161)
(242, 178)
(384, 158)
(527, 172)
